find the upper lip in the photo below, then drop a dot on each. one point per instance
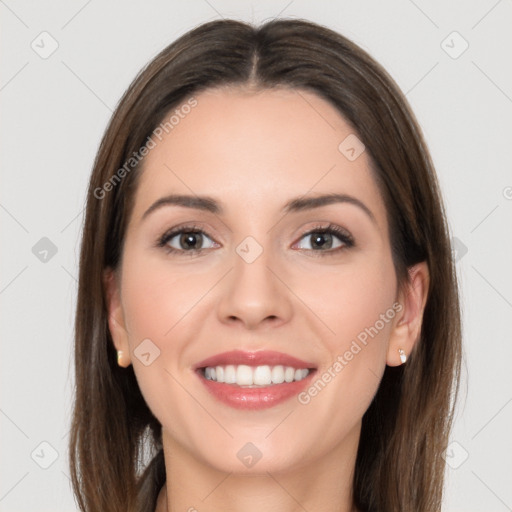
(259, 358)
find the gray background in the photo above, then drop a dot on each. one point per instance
(55, 108)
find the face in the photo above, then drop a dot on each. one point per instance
(244, 272)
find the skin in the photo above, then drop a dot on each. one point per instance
(253, 152)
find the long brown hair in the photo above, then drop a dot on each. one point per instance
(405, 431)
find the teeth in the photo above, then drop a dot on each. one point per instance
(278, 374)
(254, 376)
(244, 375)
(262, 375)
(289, 374)
(229, 374)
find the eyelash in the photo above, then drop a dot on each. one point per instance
(331, 229)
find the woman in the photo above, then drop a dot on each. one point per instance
(268, 315)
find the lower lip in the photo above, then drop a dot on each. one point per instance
(255, 398)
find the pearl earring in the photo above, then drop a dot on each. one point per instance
(403, 357)
(119, 357)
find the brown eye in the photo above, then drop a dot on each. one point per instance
(190, 240)
(327, 239)
(185, 240)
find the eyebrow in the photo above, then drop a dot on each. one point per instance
(209, 204)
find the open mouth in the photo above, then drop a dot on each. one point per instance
(254, 380)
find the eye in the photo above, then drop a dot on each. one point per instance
(190, 239)
(323, 239)
(186, 239)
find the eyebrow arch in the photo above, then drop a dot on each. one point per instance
(209, 204)
(307, 203)
(205, 203)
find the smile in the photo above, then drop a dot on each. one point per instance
(254, 380)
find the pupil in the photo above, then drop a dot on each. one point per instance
(321, 236)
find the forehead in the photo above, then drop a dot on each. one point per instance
(256, 149)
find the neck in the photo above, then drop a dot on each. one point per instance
(324, 484)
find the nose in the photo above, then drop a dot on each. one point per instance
(255, 293)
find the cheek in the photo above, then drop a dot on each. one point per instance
(165, 303)
(159, 306)
(360, 311)
(157, 302)
(353, 302)
(358, 308)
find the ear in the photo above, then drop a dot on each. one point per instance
(407, 325)
(116, 321)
